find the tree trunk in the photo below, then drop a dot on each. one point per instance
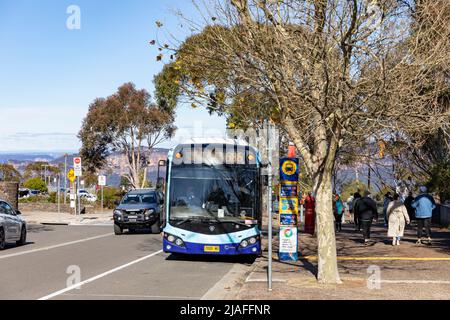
(327, 260)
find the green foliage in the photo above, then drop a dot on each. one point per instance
(37, 169)
(35, 199)
(126, 122)
(439, 181)
(167, 86)
(36, 184)
(110, 195)
(349, 188)
(9, 173)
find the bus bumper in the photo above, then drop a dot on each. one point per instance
(205, 249)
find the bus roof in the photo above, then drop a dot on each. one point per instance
(215, 141)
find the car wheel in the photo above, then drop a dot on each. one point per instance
(23, 237)
(117, 230)
(2, 239)
(155, 228)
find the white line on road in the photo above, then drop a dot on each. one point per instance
(54, 246)
(132, 296)
(77, 285)
(415, 281)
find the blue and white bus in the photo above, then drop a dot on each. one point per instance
(213, 198)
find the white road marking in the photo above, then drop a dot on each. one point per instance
(416, 281)
(133, 296)
(77, 285)
(54, 246)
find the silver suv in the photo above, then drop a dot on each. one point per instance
(12, 226)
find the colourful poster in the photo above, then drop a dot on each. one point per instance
(288, 190)
(288, 250)
(289, 205)
(288, 219)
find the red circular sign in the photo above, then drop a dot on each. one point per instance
(77, 160)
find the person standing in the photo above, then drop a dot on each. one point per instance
(387, 200)
(349, 203)
(408, 204)
(356, 198)
(338, 209)
(366, 209)
(424, 205)
(397, 217)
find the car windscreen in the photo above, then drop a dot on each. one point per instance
(139, 198)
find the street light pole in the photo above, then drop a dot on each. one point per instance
(269, 205)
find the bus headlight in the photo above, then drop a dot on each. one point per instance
(173, 239)
(244, 243)
(249, 242)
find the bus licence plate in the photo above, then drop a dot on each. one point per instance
(212, 249)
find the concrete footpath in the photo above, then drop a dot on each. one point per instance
(375, 271)
(63, 218)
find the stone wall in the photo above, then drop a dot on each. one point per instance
(9, 191)
(53, 207)
(44, 207)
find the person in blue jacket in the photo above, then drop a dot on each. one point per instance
(423, 205)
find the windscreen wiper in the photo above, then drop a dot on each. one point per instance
(190, 219)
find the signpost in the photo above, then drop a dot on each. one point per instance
(288, 248)
(77, 168)
(102, 183)
(71, 177)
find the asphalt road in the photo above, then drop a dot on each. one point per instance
(131, 266)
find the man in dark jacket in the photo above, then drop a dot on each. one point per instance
(366, 209)
(356, 198)
(408, 204)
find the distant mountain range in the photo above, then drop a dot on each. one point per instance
(19, 157)
(116, 163)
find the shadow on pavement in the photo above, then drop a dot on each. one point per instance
(212, 258)
(36, 228)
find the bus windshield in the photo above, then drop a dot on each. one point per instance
(225, 193)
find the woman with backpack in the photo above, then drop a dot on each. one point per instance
(397, 218)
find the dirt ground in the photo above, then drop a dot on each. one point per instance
(376, 271)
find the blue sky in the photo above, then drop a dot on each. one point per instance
(49, 74)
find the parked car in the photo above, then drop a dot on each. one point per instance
(86, 195)
(139, 209)
(24, 193)
(12, 227)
